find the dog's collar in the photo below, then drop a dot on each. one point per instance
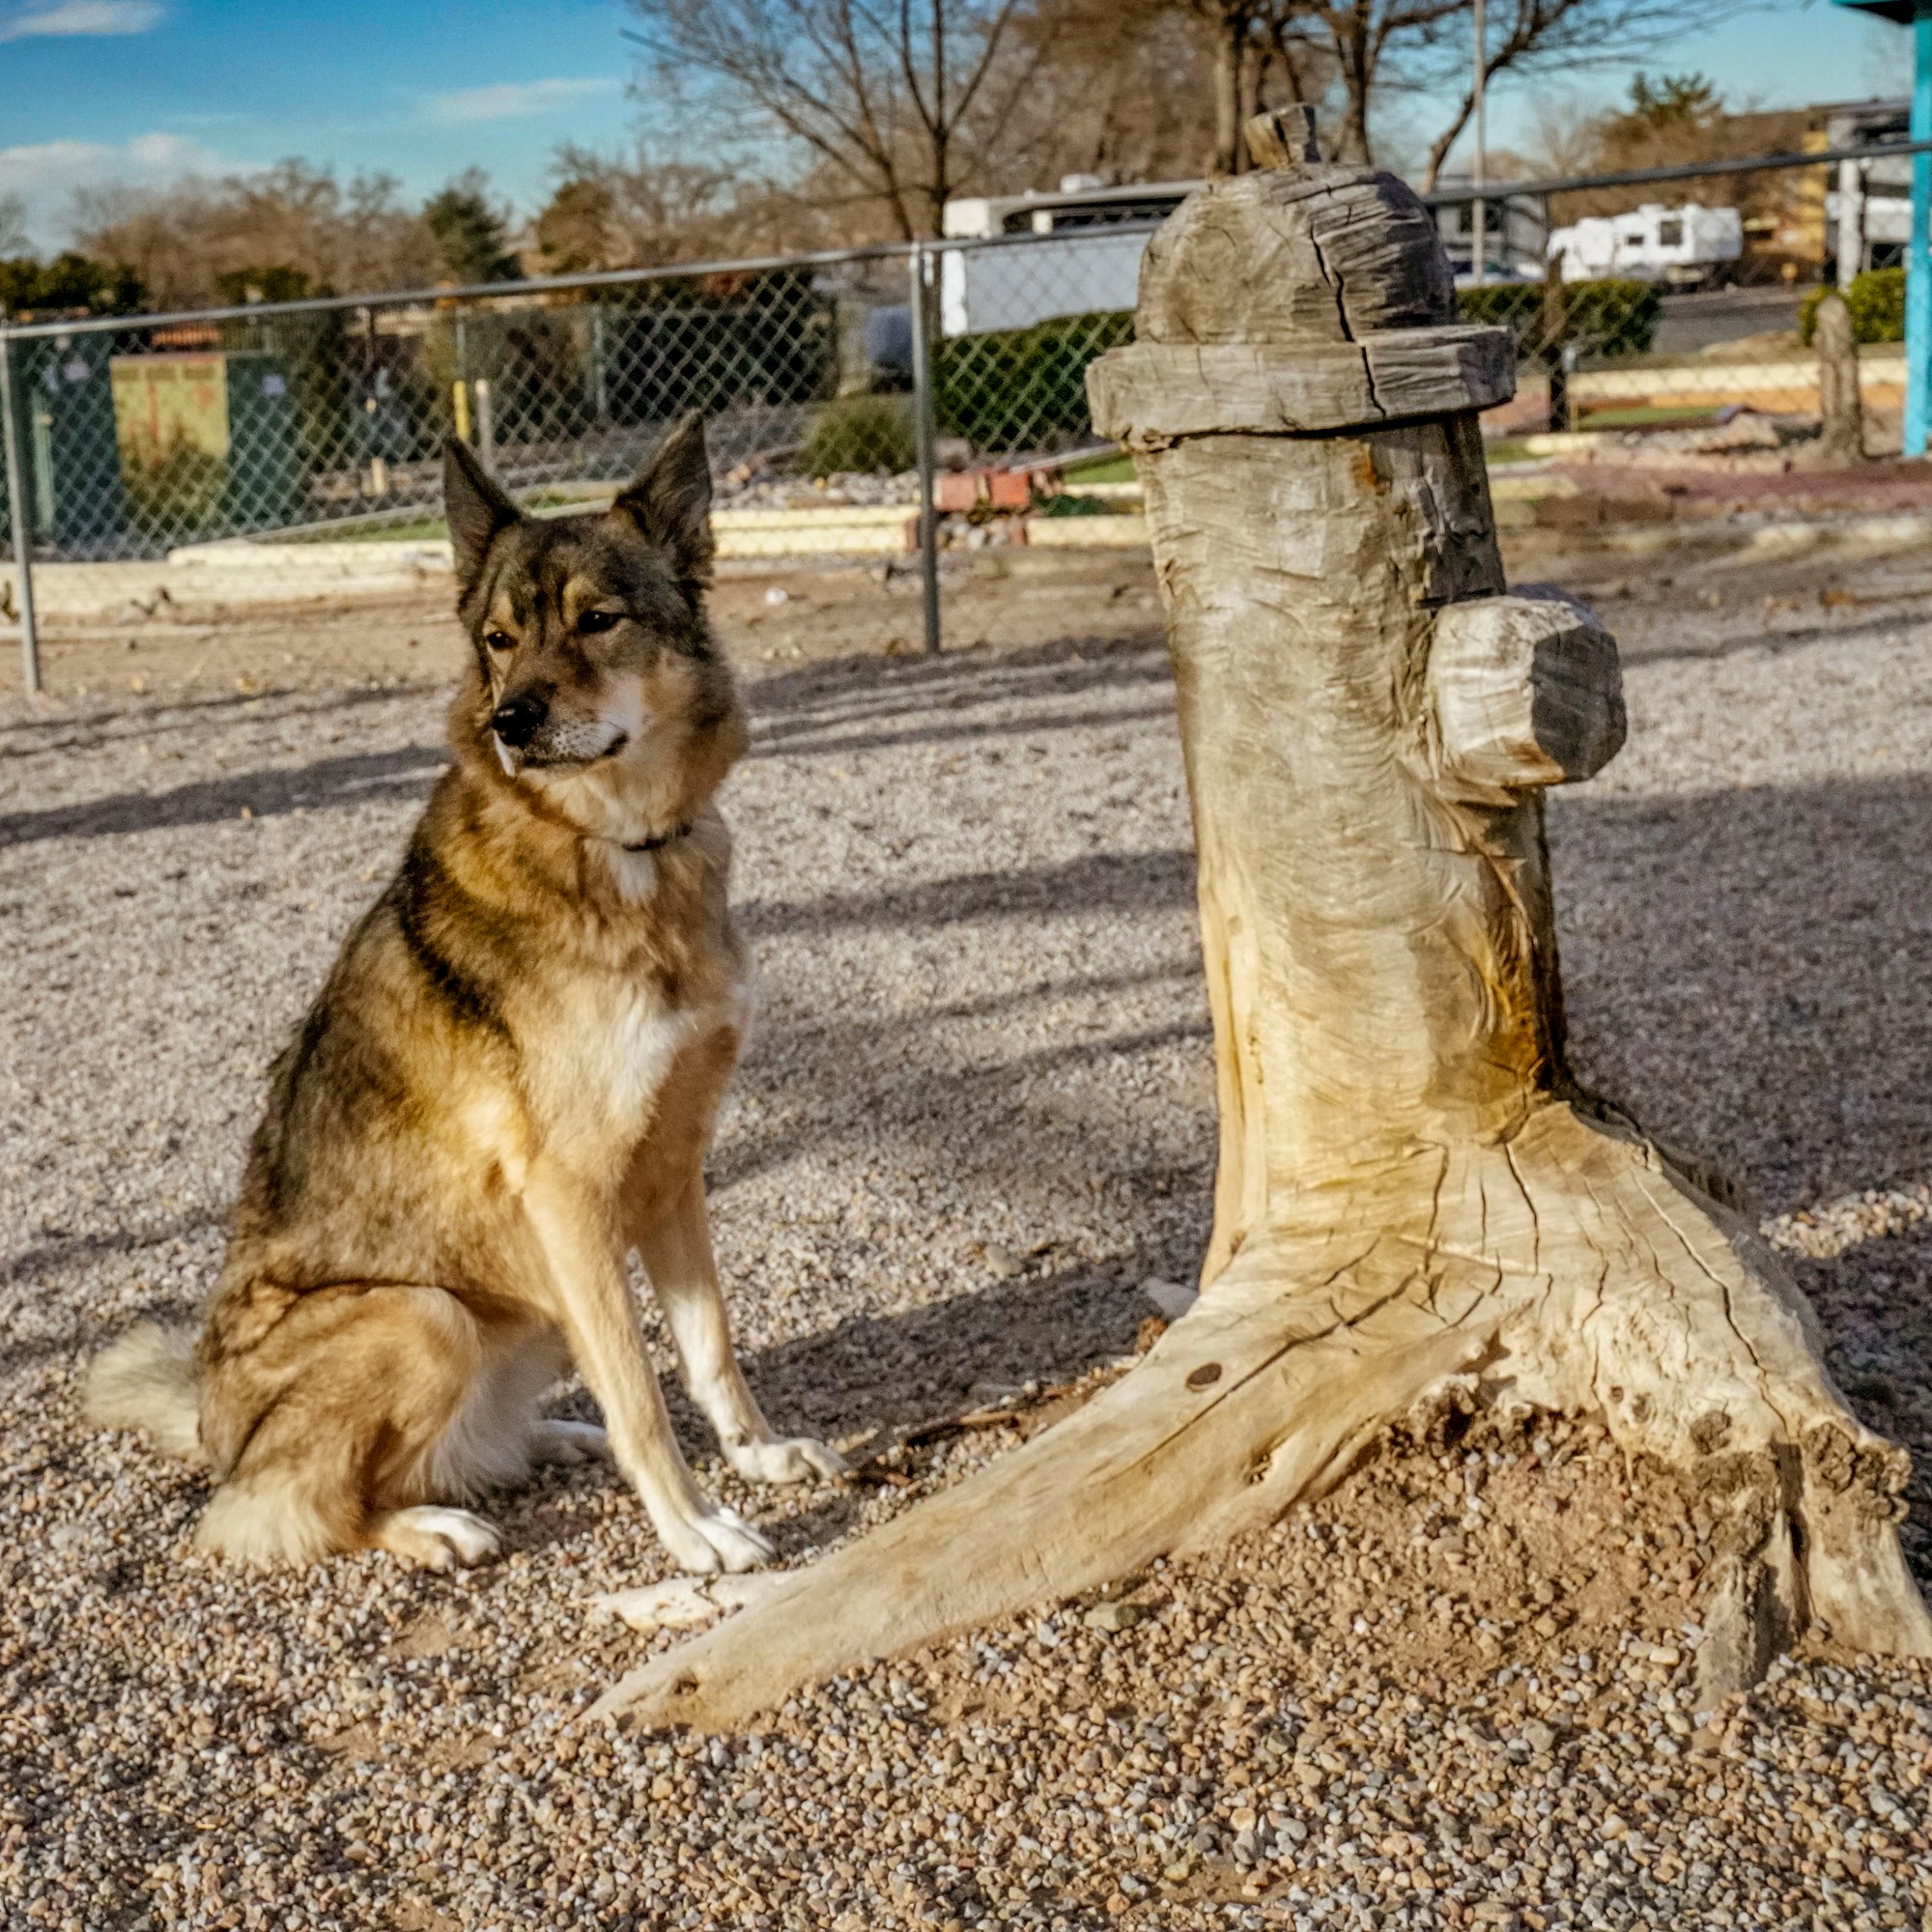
(658, 843)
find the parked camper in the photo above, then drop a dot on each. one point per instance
(1688, 247)
(1090, 263)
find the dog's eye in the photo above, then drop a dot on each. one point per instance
(597, 620)
(498, 640)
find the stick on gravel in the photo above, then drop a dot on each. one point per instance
(1411, 1185)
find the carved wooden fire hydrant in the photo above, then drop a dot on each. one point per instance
(1412, 1185)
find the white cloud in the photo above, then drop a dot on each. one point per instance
(65, 19)
(46, 174)
(516, 99)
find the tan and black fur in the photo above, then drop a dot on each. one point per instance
(507, 1084)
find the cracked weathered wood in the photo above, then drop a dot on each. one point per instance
(1522, 691)
(1153, 394)
(1411, 1185)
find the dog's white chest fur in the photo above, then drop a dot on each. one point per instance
(627, 1041)
(624, 1038)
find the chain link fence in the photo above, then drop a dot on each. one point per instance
(297, 446)
(1665, 299)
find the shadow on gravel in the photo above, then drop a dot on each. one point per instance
(856, 699)
(847, 699)
(1767, 642)
(1750, 970)
(354, 779)
(1034, 725)
(893, 1372)
(54, 1258)
(1100, 882)
(161, 716)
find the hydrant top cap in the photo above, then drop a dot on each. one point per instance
(1309, 253)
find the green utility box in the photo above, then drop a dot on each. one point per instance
(76, 504)
(207, 442)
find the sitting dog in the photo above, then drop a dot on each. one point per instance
(508, 1082)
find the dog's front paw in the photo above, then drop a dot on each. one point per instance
(796, 1459)
(713, 1538)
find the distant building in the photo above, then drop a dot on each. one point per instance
(1869, 210)
(1096, 269)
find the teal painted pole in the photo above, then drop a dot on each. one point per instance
(1918, 253)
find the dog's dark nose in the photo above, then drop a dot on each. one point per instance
(519, 719)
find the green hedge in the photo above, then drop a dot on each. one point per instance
(1606, 318)
(1022, 389)
(859, 432)
(1877, 303)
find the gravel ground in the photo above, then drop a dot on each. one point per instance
(976, 1122)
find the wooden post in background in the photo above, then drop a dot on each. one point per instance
(1841, 428)
(1555, 342)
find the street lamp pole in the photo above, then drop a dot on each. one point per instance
(1479, 247)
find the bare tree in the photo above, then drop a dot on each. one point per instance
(1264, 54)
(634, 212)
(891, 104)
(1355, 53)
(1118, 93)
(1537, 37)
(184, 241)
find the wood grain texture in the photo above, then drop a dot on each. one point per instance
(1842, 432)
(1328, 253)
(1146, 394)
(1411, 1183)
(1526, 691)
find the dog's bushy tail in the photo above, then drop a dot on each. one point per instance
(150, 1381)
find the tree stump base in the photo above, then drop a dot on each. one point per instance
(1570, 1266)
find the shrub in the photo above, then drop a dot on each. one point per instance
(1605, 318)
(1877, 303)
(1023, 389)
(1517, 305)
(177, 496)
(859, 432)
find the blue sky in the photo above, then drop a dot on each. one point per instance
(93, 91)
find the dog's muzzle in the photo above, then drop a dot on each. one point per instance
(518, 719)
(527, 733)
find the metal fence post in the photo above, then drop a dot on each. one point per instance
(921, 278)
(486, 424)
(1918, 427)
(19, 513)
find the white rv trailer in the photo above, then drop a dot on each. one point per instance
(1092, 263)
(1688, 246)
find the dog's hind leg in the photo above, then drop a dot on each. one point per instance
(675, 1249)
(347, 1398)
(498, 1436)
(437, 1538)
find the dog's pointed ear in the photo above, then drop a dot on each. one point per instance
(475, 508)
(671, 501)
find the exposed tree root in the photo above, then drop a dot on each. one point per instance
(1568, 1265)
